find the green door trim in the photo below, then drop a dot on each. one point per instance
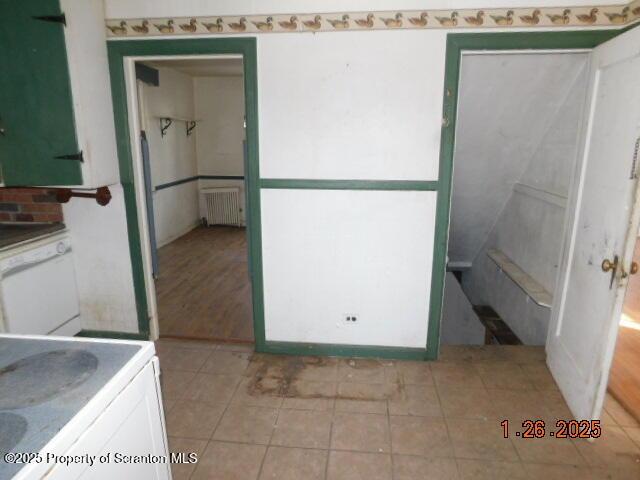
(141, 48)
(456, 44)
(314, 184)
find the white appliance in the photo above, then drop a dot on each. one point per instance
(38, 291)
(107, 423)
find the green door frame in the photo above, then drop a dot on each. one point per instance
(118, 51)
(456, 44)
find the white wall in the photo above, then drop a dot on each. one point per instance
(219, 104)
(505, 103)
(343, 105)
(460, 323)
(103, 266)
(331, 253)
(172, 157)
(168, 8)
(351, 106)
(529, 228)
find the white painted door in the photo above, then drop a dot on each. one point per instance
(588, 301)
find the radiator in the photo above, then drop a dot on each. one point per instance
(221, 206)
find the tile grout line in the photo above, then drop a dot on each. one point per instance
(393, 470)
(446, 423)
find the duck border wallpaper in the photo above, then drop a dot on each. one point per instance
(584, 16)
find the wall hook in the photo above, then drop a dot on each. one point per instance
(165, 123)
(190, 126)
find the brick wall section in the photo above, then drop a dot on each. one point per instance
(29, 205)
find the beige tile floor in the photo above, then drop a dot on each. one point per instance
(252, 416)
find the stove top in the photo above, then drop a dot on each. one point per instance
(45, 383)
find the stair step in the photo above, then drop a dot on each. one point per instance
(497, 330)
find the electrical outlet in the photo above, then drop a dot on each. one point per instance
(350, 318)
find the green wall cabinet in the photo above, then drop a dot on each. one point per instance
(38, 142)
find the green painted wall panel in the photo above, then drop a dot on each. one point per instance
(36, 107)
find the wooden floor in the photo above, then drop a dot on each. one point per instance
(624, 379)
(203, 290)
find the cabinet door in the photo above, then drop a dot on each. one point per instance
(36, 107)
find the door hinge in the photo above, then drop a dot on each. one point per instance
(53, 18)
(74, 156)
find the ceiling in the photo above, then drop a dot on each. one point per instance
(203, 67)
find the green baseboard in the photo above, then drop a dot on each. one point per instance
(336, 350)
(114, 335)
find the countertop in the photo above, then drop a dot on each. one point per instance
(13, 233)
(44, 383)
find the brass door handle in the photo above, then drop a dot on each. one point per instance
(609, 266)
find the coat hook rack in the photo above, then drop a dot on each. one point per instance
(102, 195)
(190, 126)
(165, 123)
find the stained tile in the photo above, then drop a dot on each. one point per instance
(226, 363)
(362, 397)
(259, 392)
(360, 432)
(187, 446)
(360, 370)
(242, 423)
(425, 436)
(302, 428)
(419, 400)
(359, 466)
(229, 461)
(456, 374)
(419, 468)
(458, 402)
(310, 395)
(408, 373)
(318, 369)
(480, 440)
(294, 464)
(488, 470)
(193, 419)
(212, 388)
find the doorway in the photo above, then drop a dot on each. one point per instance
(519, 117)
(123, 57)
(580, 341)
(191, 116)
